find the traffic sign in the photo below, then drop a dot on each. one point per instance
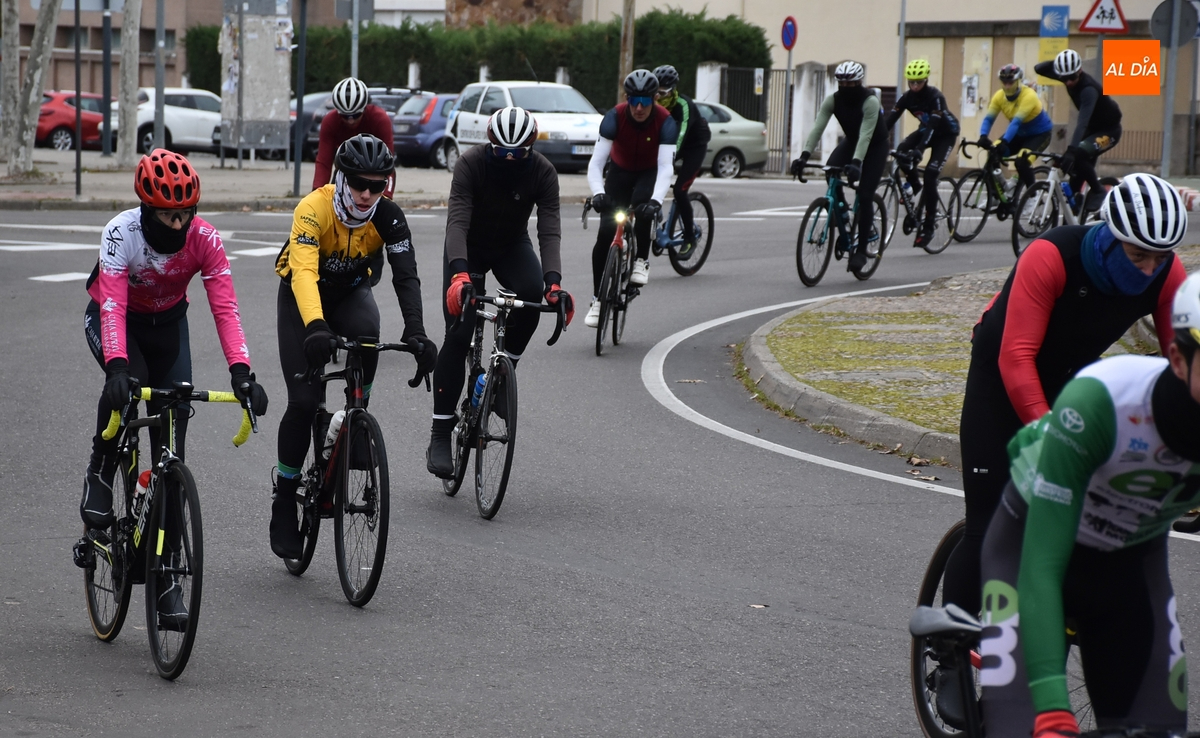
(1160, 23)
(1055, 20)
(789, 32)
(1104, 17)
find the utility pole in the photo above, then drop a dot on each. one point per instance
(241, 57)
(300, 128)
(1169, 101)
(106, 75)
(901, 84)
(160, 71)
(354, 25)
(78, 111)
(627, 14)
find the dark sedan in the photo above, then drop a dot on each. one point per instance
(419, 128)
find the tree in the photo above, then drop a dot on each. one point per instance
(127, 134)
(10, 72)
(29, 103)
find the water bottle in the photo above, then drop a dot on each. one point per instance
(908, 191)
(335, 425)
(997, 172)
(1068, 193)
(477, 393)
(139, 492)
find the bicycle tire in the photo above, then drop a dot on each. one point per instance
(460, 454)
(308, 518)
(699, 253)
(891, 204)
(495, 439)
(361, 510)
(880, 221)
(922, 658)
(608, 285)
(1037, 212)
(171, 648)
(814, 243)
(107, 584)
(946, 216)
(977, 202)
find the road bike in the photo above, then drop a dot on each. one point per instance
(984, 192)
(687, 255)
(893, 193)
(1046, 203)
(348, 480)
(830, 228)
(157, 537)
(487, 419)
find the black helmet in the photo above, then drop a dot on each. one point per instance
(365, 154)
(667, 77)
(641, 82)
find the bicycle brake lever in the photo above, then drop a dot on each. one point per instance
(560, 323)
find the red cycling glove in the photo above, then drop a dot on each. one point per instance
(1055, 724)
(454, 294)
(552, 293)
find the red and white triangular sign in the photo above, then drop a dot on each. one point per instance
(1104, 17)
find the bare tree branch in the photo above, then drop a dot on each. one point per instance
(20, 157)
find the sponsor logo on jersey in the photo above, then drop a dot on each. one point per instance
(1135, 419)
(1071, 420)
(109, 305)
(1051, 491)
(114, 240)
(1130, 457)
(310, 220)
(1167, 457)
(400, 248)
(1137, 444)
(1052, 430)
(307, 240)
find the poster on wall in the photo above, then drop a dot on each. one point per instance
(970, 95)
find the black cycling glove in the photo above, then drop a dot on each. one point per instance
(118, 385)
(245, 388)
(318, 344)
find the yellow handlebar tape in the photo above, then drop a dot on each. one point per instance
(114, 420)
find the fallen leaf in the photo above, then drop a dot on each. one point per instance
(892, 450)
(759, 607)
(689, 381)
(731, 345)
(927, 478)
(917, 461)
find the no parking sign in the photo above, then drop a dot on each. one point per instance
(789, 32)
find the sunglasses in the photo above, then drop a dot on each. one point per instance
(663, 93)
(175, 214)
(504, 152)
(362, 184)
(641, 101)
(349, 118)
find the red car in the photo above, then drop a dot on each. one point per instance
(56, 120)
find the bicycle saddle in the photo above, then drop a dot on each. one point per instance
(950, 620)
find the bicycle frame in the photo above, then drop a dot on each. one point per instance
(834, 193)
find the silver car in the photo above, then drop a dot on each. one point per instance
(737, 143)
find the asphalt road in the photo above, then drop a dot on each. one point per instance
(614, 593)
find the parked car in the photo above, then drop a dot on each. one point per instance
(737, 144)
(419, 130)
(56, 120)
(189, 117)
(388, 98)
(568, 125)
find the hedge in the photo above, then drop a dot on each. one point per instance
(450, 57)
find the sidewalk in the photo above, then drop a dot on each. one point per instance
(259, 185)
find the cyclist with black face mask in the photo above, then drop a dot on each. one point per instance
(691, 146)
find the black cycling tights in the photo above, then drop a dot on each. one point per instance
(624, 189)
(159, 356)
(517, 269)
(690, 161)
(351, 314)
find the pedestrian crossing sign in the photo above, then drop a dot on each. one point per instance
(1104, 17)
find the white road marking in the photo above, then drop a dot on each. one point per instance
(288, 215)
(278, 244)
(787, 212)
(46, 246)
(740, 219)
(60, 228)
(65, 277)
(269, 251)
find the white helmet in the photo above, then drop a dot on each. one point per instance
(1067, 63)
(1185, 312)
(350, 96)
(512, 128)
(1146, 211)
(849, 71)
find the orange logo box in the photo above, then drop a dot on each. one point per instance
(1131, 68)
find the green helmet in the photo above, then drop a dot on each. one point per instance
(916, 69)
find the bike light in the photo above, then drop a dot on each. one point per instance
(620, 217)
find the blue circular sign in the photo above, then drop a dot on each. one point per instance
(789, 32)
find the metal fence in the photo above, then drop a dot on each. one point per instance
(1137, 146)
(738, 92)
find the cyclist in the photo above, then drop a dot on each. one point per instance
(136, 321)
(1082, 537)
(492, 194)
(352, 115)
(937, 131)
(325, 291)
(1098, 128)
(1029, 125)
(690, 149)
(640, 136)
(862, 153)
(1071, 295)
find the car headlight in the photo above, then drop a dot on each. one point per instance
(552, 136)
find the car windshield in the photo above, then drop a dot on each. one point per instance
(414, 105)
(551, 100)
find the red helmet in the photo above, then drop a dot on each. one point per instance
(165, 179)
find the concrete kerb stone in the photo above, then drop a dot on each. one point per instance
(821, 408)
(254, 205)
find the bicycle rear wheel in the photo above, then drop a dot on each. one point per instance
(977, 201)
(1037, 212)
(107, 583)
(361, 513)
(887, 192)
(460, 454)
(879, 222)
(607, 296)
(496, 438)
(308, 517)
(176, 560)
(690, 261)
(814, 244)
(945, 217)
(924, 659)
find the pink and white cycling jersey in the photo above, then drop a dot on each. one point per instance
(132, 276)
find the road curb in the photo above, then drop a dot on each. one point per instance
(820, 408)
(256, 205)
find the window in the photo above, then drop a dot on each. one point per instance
(90, 104)
(179, 101)
(414, 105)
(713, 114)
(143, 97)
(551, 100)
(204, 102)
(494, 100)
(470, 99)
(446, 107)
(390, 103)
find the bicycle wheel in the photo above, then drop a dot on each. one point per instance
(308, 517)
(945, 217)
(1037, 212)
(879, 223)
(693, 259)
(924, 659)
(177, 560)
(609, 286)
(814, 244)
(361, 513)
(460, 453)
(496, 438)
(107, 583)
(887, 192)
(976, 201)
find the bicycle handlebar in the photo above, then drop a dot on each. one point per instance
(249, 423)
(511, 303)
(348, 345)
(835, 171)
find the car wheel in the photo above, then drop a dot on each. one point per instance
(437, 155)
(146, 139)
(451, 155)
(62, 139)
(727, 164)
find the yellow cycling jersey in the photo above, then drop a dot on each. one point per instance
(1024, 113)
(322, 253)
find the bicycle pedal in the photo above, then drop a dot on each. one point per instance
(84, 553)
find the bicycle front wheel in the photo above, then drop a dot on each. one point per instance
(460, 453)
(684, 260)
(361, 513)
(879, 224)
(308, 517)
(174, 570)
(891, 205)
(495, 438)
(814, 244)
(945, 216)
(609, 287)
(107, 583)
(1037, 212)
(977, 200)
